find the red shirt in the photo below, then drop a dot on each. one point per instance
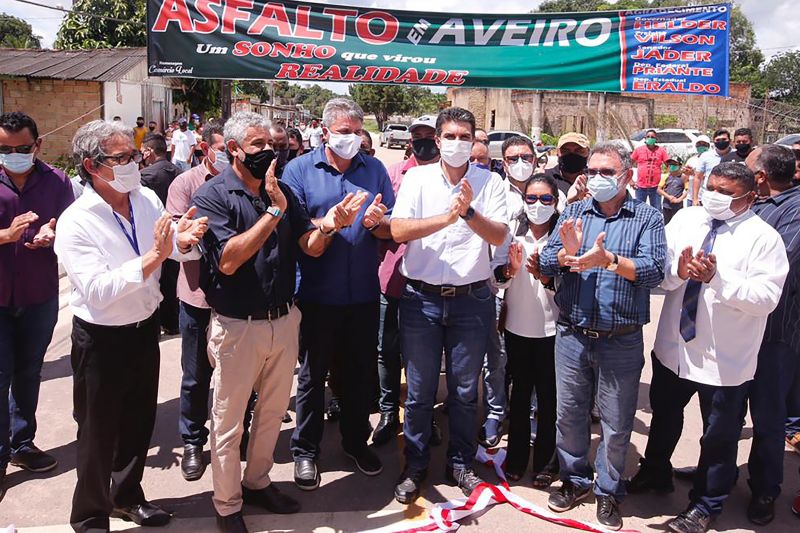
(390, 252)
(648, 164)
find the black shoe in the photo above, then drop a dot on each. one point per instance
(144, 514)
(595, 414)
(334, 410)
(436, 434)
(366, 461)
(647, 481)
(761, 510)
(465, 478)
(685, 473)
(2, 483)
(33, 459)
(233, 523)
(407, 488)
(566, 497)
(490, 433)
(306, 474)
(271, 499)
(286, 417)
(608, 512)
(387, 428)
(169, 332)
(243, 445)
(692, 520)
(192, 464)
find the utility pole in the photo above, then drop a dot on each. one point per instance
(225, 98)
(765, 120)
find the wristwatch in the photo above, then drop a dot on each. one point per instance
(330, 233)
(614, 264)
(274, 211)
(470, 213)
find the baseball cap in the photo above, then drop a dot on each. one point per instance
(195, 115)
(182, 120)
(704, 139)
(675, 159)
(424, 120)
(578, 138)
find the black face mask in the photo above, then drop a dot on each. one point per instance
(424, 149)
(722, 145)
(292, 154)
(152, 128)
(140, 124)
(743, 149)
(572, 163)
(259, 162)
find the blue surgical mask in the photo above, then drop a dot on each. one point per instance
(17, 163)
(603, 188)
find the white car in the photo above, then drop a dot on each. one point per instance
(395, 135)
(496, 139)
(677, 142)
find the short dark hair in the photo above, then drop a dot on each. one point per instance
(17, 121)
(777, 162)
(651, 131)
(551, 183)
(721, 132)
(365, 135)
(156, 142)
(743, 131)
(294, 133)
(212, 129)
(277, 127)
(139, 118)
(517, 140)
(736, 172)
(455, 114)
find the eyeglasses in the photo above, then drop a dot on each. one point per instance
(484, 141)
(511, 159)
(122, 159)
(545, 199)
(605, 172)
(24, 149)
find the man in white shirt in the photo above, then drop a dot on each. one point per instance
(707, 161)
(182, 142)
(726, 272)
(112, 242)
(313, 134)
(702, 145)
(449, 214)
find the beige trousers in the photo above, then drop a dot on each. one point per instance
(248, 355)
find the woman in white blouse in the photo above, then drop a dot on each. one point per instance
(529, 321)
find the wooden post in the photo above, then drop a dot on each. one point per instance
(537, 116)
(225, 99)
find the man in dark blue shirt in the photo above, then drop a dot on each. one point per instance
(255, 228)
(339, 292)
(779, 357)
(608, 253)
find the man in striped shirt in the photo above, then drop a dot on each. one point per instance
(779, 356)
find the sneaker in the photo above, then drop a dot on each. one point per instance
(646, 480)
(33, 459)
(489, 435)
(566, 497)
(608, 512)
(306, 474)
(408, 485)
(465, 478)
(693, 520)
(366, 461)
(761, 510)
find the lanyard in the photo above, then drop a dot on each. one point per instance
(131, 238)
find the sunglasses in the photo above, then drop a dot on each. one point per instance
(24, 149)
(545, 199)
(605, 172)
(511, 159)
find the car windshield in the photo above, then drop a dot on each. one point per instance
(397, 127)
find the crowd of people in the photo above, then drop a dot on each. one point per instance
(532, 281)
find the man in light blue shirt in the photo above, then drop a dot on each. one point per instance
(708, 160)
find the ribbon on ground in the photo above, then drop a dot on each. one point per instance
(446, 516)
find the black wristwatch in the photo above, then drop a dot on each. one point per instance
(469, 215)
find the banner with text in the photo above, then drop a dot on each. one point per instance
(666, 50)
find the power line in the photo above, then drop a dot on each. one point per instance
(72, 12)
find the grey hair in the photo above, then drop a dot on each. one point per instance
(341, 106)
(90, 139)
(236, 126)
(614, 148)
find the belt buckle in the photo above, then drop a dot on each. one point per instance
(447, 291)
(591, 334)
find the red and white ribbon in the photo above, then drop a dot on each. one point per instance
(446, 516)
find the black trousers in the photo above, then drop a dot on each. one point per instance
(115, 393)
(169, 307)
(329, 330)
(532, 364)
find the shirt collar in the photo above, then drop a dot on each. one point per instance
(629, 205)
(409, 163)
(788, 194)
(320, 160)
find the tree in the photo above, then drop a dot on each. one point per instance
(782, 76)
(16, 33)
(199, 95)
(117, 23)
(424, 101)
(382, 100)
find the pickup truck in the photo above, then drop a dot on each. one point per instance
(395, 135)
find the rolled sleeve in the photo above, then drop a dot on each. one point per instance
(405, 205)
(496, 205)
(651, 254)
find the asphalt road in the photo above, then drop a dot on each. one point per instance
(347, 500)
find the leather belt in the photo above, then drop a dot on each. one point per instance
(595, 334)
(273, 313)
(446, 291)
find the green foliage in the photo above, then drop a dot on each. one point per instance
(82, 32)
(782, 76)
(199, 95)
(382, 100)
(16, 33)
(548, 140)
(371, 125)
(665, 121)
(312, 97)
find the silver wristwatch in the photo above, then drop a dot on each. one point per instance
(614, 264)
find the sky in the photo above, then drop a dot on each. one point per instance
(774, 21)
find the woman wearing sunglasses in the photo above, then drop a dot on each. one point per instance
(530, 329)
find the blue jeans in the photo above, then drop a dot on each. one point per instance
(459, 326)
(616, 362)
(494, 373)
(649, 193)
(389, 358)
(197, 371)
(25, 333)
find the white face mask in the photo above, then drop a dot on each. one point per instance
(220, 161)
(603, 188)
(521, 170)
(126, 178)
(17, 163)
(455, 153)
(718, 205)
(345, 145)
(539, 213)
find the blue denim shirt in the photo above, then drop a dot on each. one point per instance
(602, 300)
(347, 273)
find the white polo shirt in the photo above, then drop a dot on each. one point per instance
(455, 255)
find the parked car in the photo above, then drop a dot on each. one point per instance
(496, 139)
(677, 142)
(789, 140)
(395, 135)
